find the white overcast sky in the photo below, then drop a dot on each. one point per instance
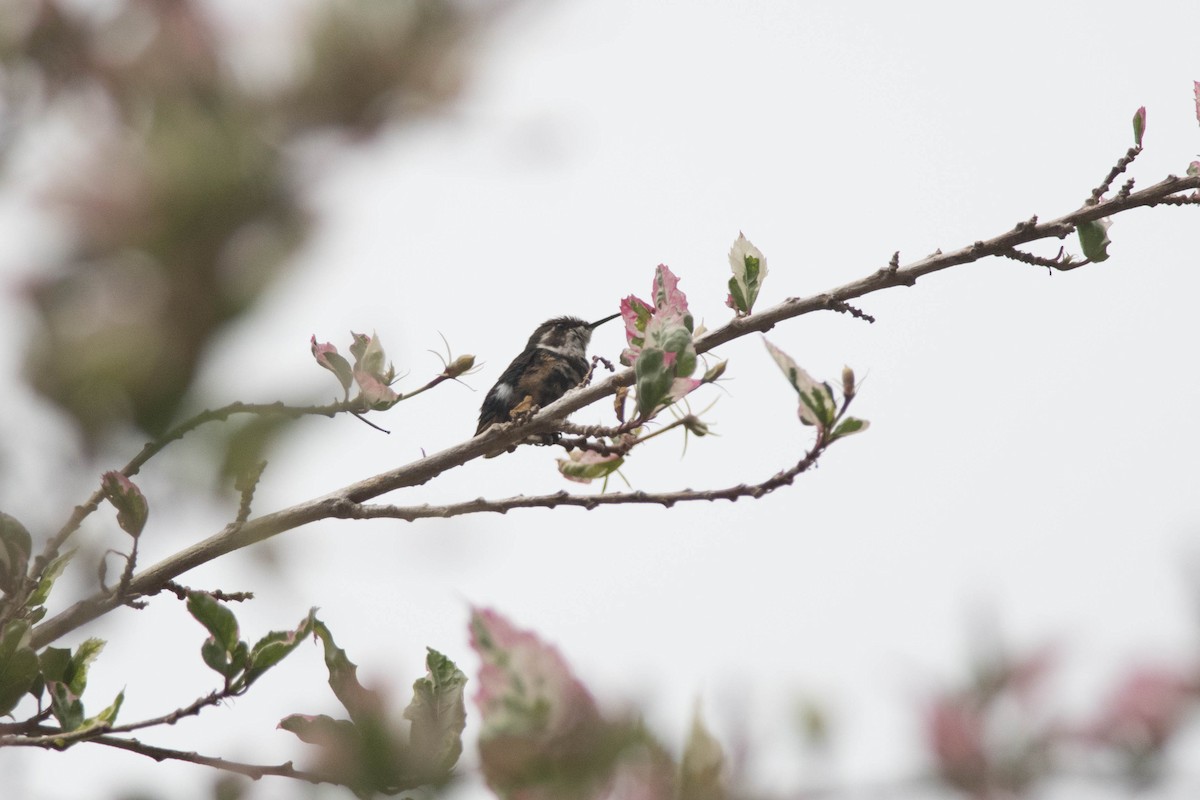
(1032, 467)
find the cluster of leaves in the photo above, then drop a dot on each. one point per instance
(238, 663)
(374, 380)
(661, 348)
(371, 752)
(996, 736)
(22, 669)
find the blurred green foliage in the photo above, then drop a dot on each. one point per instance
(182, 208)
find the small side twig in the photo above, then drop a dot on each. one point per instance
(1062, 262)
(246, 483)
(1122, 164)
(181, 592)
(843, 307)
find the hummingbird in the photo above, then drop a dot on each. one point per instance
(553, 361)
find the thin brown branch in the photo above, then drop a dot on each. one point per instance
(564, 498)
(246, 484)
(499, 437)
(1122, 164)
(253, 771)
(57, 738)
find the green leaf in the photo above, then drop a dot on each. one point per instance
(52, 572)
(239, 659)
(817, 406)
(685, 363)
(819, 403)
(65, 705)
(84, 655)
(1139, 125)
(1093, 239)
(585, 467)
(848, 426)
(749, 267)
(216, 617)
(18, 664)
(275, 646)
(109, 715)
(438, 714)
(653, 380)
(735, 294)
(15, 548)
(217, 658)
(364, 705)
(55, 663)
(127, 498)
(321, 729)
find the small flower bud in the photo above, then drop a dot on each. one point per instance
(847, 382)
(459, 366)
(695, 425)
(715, 371)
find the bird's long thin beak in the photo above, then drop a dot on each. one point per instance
(594, 325)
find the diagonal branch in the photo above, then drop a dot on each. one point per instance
(416, 473)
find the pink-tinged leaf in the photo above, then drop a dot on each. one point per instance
(954, 729)
(644, 772)
(667, 296)
(585, 466)
(327, 356)
(543, 737)
(375, 393)
(374, 357)
(682, 387)
(525, 685)
(358, 347)
(1196, 91)
(1139, 125)
(1146, 708)
(636, 314)
(131, 505)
